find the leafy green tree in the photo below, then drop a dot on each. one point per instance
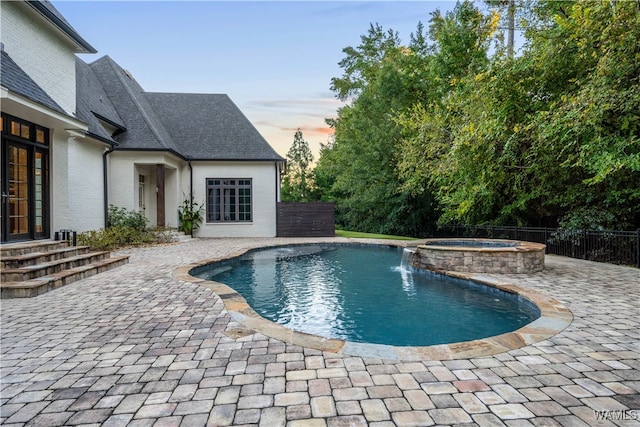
(385, 80)
(358, 169)
(507, 10)
(461, 39)
(594, 125)
(361, 63)
(297, 184)
(546, 137)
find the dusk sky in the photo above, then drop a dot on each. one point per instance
(275, 59)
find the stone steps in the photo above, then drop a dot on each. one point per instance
(40, 257)
(180, 236)
(13, 249)
(30, 269)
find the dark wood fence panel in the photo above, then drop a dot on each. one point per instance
(312, 219)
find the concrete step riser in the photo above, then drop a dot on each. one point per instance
(35, 271)
(33, 268)
(26, 289)
(35, 258)
(27, 248)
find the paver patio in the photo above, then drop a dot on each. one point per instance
(136, 346)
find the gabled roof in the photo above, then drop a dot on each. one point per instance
(16, 80)
(93, 105)
(46, 9)
(192, 126)
(210, 126)
(144, 129)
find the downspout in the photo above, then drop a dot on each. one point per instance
(278, 172)
(106, 185)
(105, 174)
(190, 186)
(190, 180)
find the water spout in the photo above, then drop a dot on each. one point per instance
(406, 262)
(406, 267)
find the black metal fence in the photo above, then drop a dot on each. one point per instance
(614, 247)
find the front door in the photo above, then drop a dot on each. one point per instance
(24, 180)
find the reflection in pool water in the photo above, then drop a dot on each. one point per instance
(360, 293)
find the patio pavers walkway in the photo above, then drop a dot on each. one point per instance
(136, 346)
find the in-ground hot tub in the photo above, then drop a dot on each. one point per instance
(480, 256)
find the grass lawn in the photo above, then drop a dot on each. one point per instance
(345, 233)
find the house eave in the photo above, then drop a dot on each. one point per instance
(20, 106)
(101, 139)
(196, 159)
(82, 45)
(118, 126)
(152, 150)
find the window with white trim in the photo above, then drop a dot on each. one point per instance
(229, 200)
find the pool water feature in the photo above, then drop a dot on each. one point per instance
(361, 294)
(480, 256)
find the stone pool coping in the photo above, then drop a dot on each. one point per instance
(496, 256)
(554, 317)
(518, 245)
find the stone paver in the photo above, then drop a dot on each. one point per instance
(136, 346)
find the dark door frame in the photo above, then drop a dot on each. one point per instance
(37, 179)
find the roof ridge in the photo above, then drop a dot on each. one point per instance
(144, 112)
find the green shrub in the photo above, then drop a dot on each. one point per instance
(121, 217)
(126, 228)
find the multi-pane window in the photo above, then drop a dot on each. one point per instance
(228, 200)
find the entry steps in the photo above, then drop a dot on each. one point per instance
(180, 236)
(33, 268)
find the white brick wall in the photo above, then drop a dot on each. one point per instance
(40, 51)
(59, 181)
(77, 184)
(85, 185)
(124, 168)
(263, 177)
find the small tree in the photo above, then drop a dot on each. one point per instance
(297, 183)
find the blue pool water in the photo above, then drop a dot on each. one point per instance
(360, 293)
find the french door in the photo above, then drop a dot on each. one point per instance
(24, 181)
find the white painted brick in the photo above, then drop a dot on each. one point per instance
(40, 51)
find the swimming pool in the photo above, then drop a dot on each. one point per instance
(359, 293)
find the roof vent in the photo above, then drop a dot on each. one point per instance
(128, 73)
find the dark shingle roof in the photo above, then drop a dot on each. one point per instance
(210, 126)
(195, 126)
(16, 80)
(93, 103)
(144, 130)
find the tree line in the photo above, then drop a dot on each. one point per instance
(453, 127)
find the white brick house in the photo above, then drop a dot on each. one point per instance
(79, 137)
